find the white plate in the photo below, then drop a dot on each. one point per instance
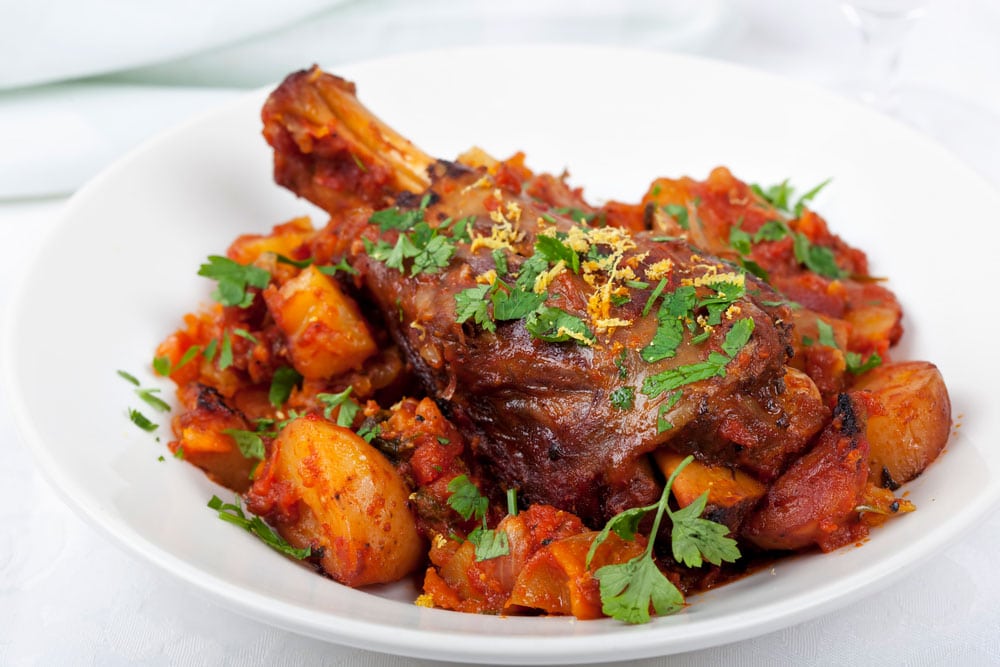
(119, 272)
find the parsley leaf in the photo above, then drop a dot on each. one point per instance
(466, 499)
(332, 269)
(530, 269)
(500, 262)
(772, 230)
(471, 303)
(155, 402)
(622, 398)
(233, 513)
(715, 365)
(226, 352)
(282, 383)
(857, 367)
(554, 250)
(629, 589)
(816, 258)
(678, 212)
(142, 421)
(826, 336)
(347, 408)
(777, 196)
(251, 444)
(489, 543)
(514, 303)
(555, 325)
(233, 280)
(131, 379)
(468, 502)
(801, 203)
(739, 240)
(694, 539)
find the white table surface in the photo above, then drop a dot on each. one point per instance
(69, 597)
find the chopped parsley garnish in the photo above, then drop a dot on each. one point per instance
(530, 269)
(628, 589)
(332, 269)
(555, 325)
(468, 502)
(715, 365)
(620, 364)
(514, 303)
(369, 432)
(426, 248)
(347, 408)
(466, 499)
(246, 335)
(489, 543)
(128, 377)
(654, 296)
(500, 262)
(622, 398)
(233, 280)
(856, 366)
(826, 336)
(554, 250)
(800, 204)
(471, 304)
(818, 259)
(251, 444)
(225, 352)
(282, 383)
(162, 366)
(669, 333)
(142, 421)
(233, 513)
(155, 402)
(679, 213)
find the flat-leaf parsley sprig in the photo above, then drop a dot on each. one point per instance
(629, 589)
(233, 513)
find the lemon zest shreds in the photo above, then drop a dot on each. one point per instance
(659, 269)
(487, 278)
(611, 323)
(502, 236)
(545, 278)
(484, 182)
(716, 278)
(575, 335)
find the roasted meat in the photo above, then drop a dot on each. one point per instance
(567, 351)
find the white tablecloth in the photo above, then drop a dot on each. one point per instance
(68, 596)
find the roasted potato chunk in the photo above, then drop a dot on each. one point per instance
(732, 493)
(325, 330)
(816, 500)
(912, 426)
(202, 439)
(326, 488)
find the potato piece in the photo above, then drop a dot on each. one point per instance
(284, 239)
(325, 330)
(732, 493)
(201, 441)
(815, 501)
(913, 424)
(326, 488)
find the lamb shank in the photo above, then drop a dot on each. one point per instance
(567, 352)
